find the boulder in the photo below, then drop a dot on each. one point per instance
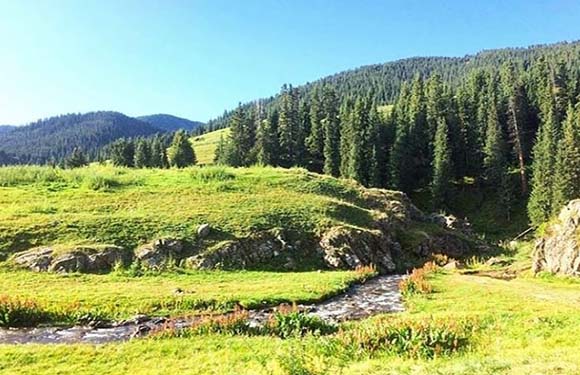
(160, 252)
(75, 261)
(347, 248)
(203, 230)
(88, 259)
(451, 222)
(249, 252)
(107, 257)
(558, 251)
(37, 259)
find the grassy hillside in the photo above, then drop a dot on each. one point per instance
(206, 144)
(128, 207)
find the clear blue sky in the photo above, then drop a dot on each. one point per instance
(196, 58)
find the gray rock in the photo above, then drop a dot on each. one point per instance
(160, 252)
(106, 258)
(203, 230)
(78, 259)
(75, 261)
(348, 248)
(37, 259)
(559, 251)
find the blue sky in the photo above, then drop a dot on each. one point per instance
(196, 58)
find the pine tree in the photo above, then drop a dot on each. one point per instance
(331, 135)
(567, 168)
(494, 150)
(122, 153)
(76, 159)
(346, 133)
(440, 185)
(265, 149)
(221, 152)
(541, 197)
(240, 139)
(158, 157)
(289, 129)
(142, 158)
(181, 153)
(316, 138)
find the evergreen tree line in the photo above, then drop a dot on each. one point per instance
(513, 130)
(384, 81)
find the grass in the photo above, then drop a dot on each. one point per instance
(116, 296)
(107, 205)
(206, 144)
(523, 326)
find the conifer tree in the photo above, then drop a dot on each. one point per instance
(142, 158)
(240, 139)
(331, 135)
(540, 204)
(359, 152)
(346, 133)
(122, 153)
(76, 159)
(181, 153)
(567, 164)
(440, 184)
(494, 150)
(315, 140)
(158, 154)
(287, 126)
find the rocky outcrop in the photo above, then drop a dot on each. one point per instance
(78, 259)
(559, 250)
(348, 248)
(259, 249)
(160, 252)
(37, 259)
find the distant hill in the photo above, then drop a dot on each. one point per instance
(6, 128)
(170, 123)
(55, 138)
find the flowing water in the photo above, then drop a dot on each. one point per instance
(379, 295)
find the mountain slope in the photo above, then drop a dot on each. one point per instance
(56, 137)
(384, 80)
(170, 123)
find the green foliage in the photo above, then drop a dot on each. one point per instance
(440, 186)
(567, 164)
(286, 324)
(181, 153)
(541, 198)
(427, 338)
(18, 312)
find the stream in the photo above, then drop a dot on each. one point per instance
(378, 295)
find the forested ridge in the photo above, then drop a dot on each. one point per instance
(54, 139)
(509, 123)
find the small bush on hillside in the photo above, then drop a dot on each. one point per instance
(426, 338)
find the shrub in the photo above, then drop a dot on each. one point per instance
(235, 323)
(426, 338)
(16, 312)
(416, 282)
(364, 273)
(290, 322)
